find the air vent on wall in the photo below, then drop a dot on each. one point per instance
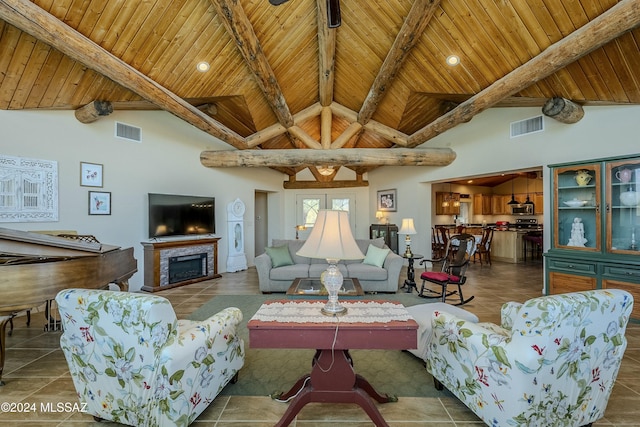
(527, 126)
(131, 133)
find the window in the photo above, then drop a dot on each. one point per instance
(308, 205)
(310, 208)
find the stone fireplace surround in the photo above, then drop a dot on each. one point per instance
(158, 255)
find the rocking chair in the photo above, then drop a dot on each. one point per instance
(458, 252)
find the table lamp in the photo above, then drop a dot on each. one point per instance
(380, 217)
(298, 229)
(331, 239)
(407, 229)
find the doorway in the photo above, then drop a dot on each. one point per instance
(308, 205)
(261, 209)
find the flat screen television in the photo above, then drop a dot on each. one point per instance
(181, 215)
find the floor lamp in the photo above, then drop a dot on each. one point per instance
(331, 239)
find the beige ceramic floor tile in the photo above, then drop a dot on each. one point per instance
(35, 369)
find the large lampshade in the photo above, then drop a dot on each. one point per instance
(331, 239)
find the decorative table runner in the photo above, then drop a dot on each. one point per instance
(309, 312)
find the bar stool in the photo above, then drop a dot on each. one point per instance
(532, 241)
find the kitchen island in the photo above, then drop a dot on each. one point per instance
(507, 246)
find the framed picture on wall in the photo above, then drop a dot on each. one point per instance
(387, 200)
(90, 174)
(99, 203)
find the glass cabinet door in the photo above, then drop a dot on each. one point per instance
(622, 206)
(577, 207)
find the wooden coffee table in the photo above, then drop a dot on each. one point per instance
(333, 378)
(312, 287)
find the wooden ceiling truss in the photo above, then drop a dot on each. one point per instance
(345, 137)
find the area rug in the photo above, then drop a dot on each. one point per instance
(268, 371)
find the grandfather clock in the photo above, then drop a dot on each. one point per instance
(236, 259)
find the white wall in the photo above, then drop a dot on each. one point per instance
(168, 160)
(483, 147)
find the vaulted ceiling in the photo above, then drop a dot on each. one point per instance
(282, 80)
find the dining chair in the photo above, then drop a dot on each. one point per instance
(442, 237)
(436, 244)
(483, 250)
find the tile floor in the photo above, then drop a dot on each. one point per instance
(36, 372)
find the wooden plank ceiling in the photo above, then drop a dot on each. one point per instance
(281, 79)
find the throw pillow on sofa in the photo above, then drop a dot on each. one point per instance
(375, 256)
(279, 255)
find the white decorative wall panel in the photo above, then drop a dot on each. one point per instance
(28, 190)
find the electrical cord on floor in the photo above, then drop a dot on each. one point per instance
(306, 380)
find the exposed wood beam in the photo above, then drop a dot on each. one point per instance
(304, 137)
(563, 110)
(265, 135)
(93, 111)
(621, 18)
(240, 29)
(287, 171)
(352, 130)
(351, 157)
(33, 20)
(412, 28)
(327, 55)
(414, 24)
(293, 184)
(277, 129)
(326, 118)
(384, 131)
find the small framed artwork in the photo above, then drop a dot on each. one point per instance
(90, 174)
(387, 200)
(99, 203)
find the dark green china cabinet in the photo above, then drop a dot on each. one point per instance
(595, 235)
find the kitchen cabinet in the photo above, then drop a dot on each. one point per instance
(499, 204)
(389, 232)
(595, 217)
(538, 200)
(453, 207)
(482, 204)
(506, 246)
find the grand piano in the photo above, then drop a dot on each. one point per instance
(34, 267)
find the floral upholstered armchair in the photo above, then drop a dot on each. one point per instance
(552, 362)
(133, 362)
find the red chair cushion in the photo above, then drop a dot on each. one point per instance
(440, 277)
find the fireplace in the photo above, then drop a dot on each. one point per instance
(187, 267)
(173, 263)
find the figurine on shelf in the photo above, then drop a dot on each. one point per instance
(583, 177)
(577, 234)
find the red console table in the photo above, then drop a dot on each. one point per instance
(333, 378)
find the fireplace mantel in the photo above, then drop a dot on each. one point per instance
(158, 255)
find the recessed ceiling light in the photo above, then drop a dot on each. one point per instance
(453, 60)
(203, 66)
